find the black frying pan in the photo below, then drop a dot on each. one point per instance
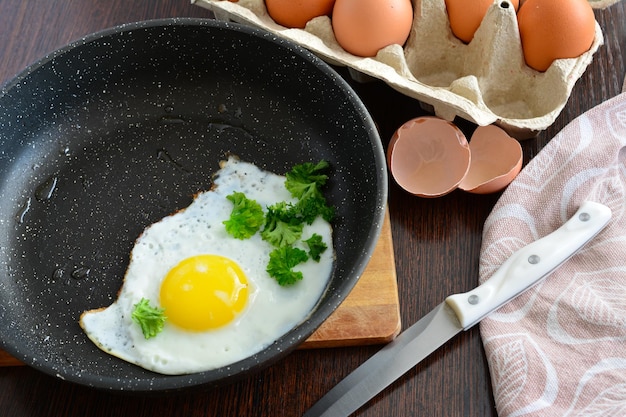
(120, 129)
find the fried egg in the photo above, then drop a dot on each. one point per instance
(221, 304)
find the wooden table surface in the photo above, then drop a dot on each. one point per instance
(436, 243)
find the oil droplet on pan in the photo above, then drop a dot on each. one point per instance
(22, 212)
(58, 274)
(65, 151)
(81, 272)
(45, 190)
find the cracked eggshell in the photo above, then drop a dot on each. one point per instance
(496, 161)
(448, 77)
(428, 156)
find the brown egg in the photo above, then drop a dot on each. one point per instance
(465, 16)
(496, 161)
(296, 13)
(428, 156)
(362, 27)
(555, 29)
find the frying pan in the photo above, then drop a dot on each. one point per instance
(121, 128)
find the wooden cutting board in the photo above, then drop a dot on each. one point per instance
(369, 315)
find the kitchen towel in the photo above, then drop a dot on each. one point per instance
(559, 349)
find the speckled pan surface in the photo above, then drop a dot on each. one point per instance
(114, 132)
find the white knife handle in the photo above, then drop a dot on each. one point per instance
(529, 265)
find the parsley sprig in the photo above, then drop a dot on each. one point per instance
(246, 217)
(283, 222)
(151, 319)
(305, 182)
(282, 261)
(316, 246)
(282, 225)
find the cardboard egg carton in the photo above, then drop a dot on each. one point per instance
(485, 81)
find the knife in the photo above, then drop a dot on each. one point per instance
(525, 268)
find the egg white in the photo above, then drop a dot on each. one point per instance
(271, 311)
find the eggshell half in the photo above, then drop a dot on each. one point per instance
(496, 161)
(428, 156)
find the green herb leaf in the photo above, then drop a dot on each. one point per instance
(282, 225)
(151, 319)
(282, 260)
(246, 217)
(313, 205)
(305, 182)
(316, 246)
(306, 178)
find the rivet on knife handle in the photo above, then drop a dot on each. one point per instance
(529, 265)
(459, 312)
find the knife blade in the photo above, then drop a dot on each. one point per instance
(525, 268)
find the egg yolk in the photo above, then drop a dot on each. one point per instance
(204, 292)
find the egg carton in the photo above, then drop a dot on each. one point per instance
(485, 81)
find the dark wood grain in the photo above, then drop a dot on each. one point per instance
(436, 243)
